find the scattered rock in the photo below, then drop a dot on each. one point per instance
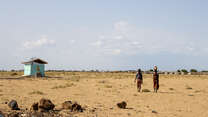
(13, 105)
(153, 111)
(36, 114)
(45, 105)
(122, 104)
(67, 105)
(73, 106)
(14, 114)
(77, 107)
(34, 106)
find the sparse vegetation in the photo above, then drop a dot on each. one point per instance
(151, 70)
(146, 90)
(189, 88)
(36, 92)
(171, 89)
(108, 86)
(63, 86)
(193, 70)
(184, 70)
(102, 81)
(104, 90)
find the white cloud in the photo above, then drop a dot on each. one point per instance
(38, 43)
(116, 51)
(121, 26)
(135, 40)
(119, 37)
(97, 43)
(101, 37)
(72, 41)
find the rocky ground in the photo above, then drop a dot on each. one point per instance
(100, 95)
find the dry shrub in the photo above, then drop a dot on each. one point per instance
(146, 90)
(171, 89)
(75, 78)
(108, 86)
(197, 91)
(63, 86)
(189, 88)
(36, 92)
(14, 74)
(102, 81)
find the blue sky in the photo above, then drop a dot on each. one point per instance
(105, 35)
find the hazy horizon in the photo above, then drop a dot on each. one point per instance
(105, 35)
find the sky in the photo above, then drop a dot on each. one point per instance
(105, 34)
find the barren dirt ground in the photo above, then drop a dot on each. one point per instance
(178, 96)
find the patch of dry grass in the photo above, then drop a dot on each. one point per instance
(171, 89)
(108, 86)
(189, 88)
(102, 81)
(36, 92)
(146, 90)
(63, 86)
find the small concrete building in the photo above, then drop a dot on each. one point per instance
(34, 67)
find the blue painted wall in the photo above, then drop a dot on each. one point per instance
(34, 68)
(27, 69)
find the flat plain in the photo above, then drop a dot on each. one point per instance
(99, 92)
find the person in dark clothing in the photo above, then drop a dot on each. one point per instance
(139, 80)
(155, 79)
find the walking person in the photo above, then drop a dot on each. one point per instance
(139, 80)
(156, 79)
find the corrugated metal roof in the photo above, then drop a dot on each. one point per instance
(37, 60)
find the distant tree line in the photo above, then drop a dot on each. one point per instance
(96, 70)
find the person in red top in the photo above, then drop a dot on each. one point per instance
(155, 79)
(139, 80)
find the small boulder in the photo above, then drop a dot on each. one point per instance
(77, 107)
(34, 106)
(13, 105)
(36, 114)
(67, 105)
(154, 111)
(73, 106)
(45, 105)
(13, 114)
(122, 104)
